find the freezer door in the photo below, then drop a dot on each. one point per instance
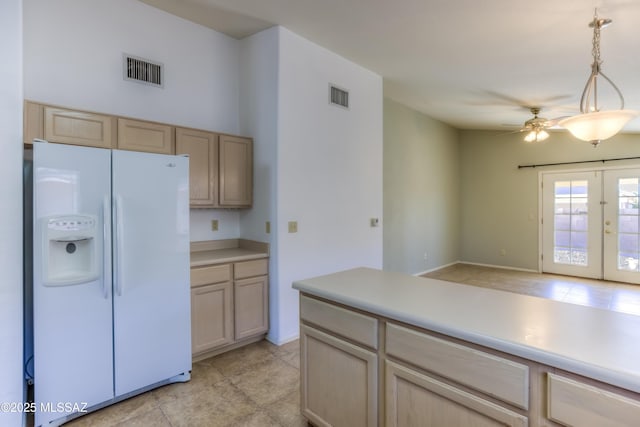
(152, 329)
(72, 324)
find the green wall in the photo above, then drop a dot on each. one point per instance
(500, 202)
(458, 195)
(421, 186)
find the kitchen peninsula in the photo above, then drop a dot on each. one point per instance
(383, 348)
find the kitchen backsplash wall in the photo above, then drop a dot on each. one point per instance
(228, 224)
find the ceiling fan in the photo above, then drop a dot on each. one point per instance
(536, 127)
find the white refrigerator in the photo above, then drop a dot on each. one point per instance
(111, 298)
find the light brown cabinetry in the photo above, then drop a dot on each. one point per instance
(354, 361)
(229, 306)
(338, 380)
(338, 370)
(236, 171)
(202, 148)
(572, 402)
(211, 307)
(251, 298)
(221, 168)
(137, 135)
(414, 397)
(32, 122)
(76, 127)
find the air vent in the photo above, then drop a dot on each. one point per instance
(338, 96)
(142, 70)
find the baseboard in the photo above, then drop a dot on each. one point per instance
(282, 342)
(502, 267)
(437, 268)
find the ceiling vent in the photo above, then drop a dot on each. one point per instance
(142, 70)
(338, 96)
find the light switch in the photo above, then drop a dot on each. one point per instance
(214, 225)
(293, 226)
(267, 227)
(375, 222)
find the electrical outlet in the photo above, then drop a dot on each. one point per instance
(425, 256)
(214, 225)
(267, 227)
(374, 222)
(293, 226)
(503, 252)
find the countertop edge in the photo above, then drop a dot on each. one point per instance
(601, 373)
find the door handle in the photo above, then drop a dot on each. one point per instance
(119, 233)
(106, 247)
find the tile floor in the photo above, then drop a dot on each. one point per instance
(258, 385)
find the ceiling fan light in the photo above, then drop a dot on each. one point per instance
(597, 126)
(536, 136)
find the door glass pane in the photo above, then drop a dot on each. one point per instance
(570, 222)
(628, 217)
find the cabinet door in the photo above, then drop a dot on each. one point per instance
(78, 128)
(150, 137)
(414, 399)
(236, 171)
(251, 306)
(211, 316)
(202, 148)
(33, 122)
(338, 381)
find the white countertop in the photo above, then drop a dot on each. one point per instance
(600, 344)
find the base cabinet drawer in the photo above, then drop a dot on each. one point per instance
(338, 381)
(415, 399)
(496, 376)
(573, 403)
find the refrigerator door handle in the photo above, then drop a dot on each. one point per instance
(106, 247)
(118, 245)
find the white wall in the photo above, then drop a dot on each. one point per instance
(259, 118)
(421, 191)
(11, 330)
(499, 202)
(329, 174)
(73, 57)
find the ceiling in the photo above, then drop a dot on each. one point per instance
(472, 64)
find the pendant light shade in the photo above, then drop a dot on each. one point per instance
(598, 126)
(592, 124)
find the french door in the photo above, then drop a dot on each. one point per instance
(591, 224)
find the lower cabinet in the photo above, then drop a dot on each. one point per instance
(229, 306)
(362, 369)
(211, 316)
(415, 399)
(338, 380)
(572, 402)
(251, 309)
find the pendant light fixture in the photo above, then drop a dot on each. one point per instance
(592, 124)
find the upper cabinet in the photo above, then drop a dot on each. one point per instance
(220, 167)
(202, 148)
(136, 135)
(236, 171)
(69, 127)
